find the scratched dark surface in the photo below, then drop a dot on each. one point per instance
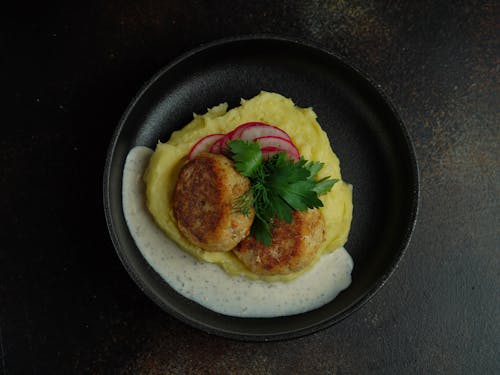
(68, 72)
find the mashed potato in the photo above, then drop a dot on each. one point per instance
(271, 108)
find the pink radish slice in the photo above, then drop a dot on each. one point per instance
(204, 144)
(232, 134)
(251, 130)
(220, 145)
(279, 142)
(269, 151)
(235, 133)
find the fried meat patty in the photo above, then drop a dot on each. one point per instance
(203, 202)
(294, 246)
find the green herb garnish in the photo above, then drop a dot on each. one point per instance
(278, 186)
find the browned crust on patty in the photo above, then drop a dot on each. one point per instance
(203, 202)
(294, 246)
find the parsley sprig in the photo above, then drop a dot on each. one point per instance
(278, 186)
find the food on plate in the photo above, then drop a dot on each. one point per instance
(255, 121)
(245, 282)
(204, 144)
(203, 203)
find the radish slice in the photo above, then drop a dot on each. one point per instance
(270, 151)
(235, 133)
(204, 144)
(280, 143)
(251, 130)
(220, 145)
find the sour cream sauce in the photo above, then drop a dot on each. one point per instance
(210, 286)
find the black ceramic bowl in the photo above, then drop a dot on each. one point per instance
(365, 131)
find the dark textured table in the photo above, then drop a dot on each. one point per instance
(68, 72)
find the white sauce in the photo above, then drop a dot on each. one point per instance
(207, 283)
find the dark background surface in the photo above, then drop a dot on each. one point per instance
(68, 72)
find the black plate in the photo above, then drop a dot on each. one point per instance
(365, 132)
